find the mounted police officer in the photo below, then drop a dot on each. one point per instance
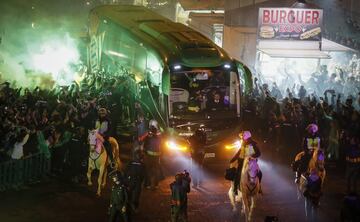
(179, 190)
(118, 199)
(152, 149)
(103, 125)
(248, 148)
(310, 144)
(135, 175)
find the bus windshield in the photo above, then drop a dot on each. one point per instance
(201, 91)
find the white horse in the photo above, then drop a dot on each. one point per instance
(248, 189)
(98, 158)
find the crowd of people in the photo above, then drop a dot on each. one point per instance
(55, 121)
(330, 101)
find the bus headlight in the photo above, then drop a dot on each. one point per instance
(227, 66)
(235, 145)
(172, 145)
(177, 67)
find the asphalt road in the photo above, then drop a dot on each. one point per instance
(58, 200)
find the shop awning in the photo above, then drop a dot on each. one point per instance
(301, 49)
(297, 53)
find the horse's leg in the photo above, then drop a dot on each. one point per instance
(238, 199)
(252, 206)
(248, 199)
(245, 202)
(100, 178)
(314, 212)
(298, 193)
(104, 177)
(307, 207)
(90, 169)
(232, 197)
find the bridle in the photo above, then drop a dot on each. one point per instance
(251, 180)
(94, 149)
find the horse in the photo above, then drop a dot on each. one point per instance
(98, 158)
(311, 183)
(249, 186)
(248, 189)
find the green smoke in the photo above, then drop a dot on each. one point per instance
(39, 40)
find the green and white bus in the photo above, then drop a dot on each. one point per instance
(182, 79)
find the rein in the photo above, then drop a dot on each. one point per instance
(98, 156)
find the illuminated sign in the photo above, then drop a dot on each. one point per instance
(290, 24)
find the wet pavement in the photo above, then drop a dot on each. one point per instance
(58, 200)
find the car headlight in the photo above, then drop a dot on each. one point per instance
(235, 145)
(172, 145)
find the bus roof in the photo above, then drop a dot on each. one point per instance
(175, 42)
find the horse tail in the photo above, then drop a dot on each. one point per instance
(115, 151)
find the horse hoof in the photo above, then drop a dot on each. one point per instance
(89, 184)
(98, 194)
(234, 209)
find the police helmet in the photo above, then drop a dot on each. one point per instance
(312, 128)
(116, 176)
(199, 131)
(245, 135)
(154, 124)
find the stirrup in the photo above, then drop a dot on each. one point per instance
(112, 165)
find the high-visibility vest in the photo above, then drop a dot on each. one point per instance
(246, 151)
(313, 143)
(102, 126)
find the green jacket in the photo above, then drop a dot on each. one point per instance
(42, 145)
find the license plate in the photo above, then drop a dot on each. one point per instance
(209, 155)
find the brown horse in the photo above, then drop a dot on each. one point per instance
(315, 172)
(98, 158)
(317, 163)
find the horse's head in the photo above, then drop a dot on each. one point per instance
(252, 170)
(92, 138)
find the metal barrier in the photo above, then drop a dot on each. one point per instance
(15, 173)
